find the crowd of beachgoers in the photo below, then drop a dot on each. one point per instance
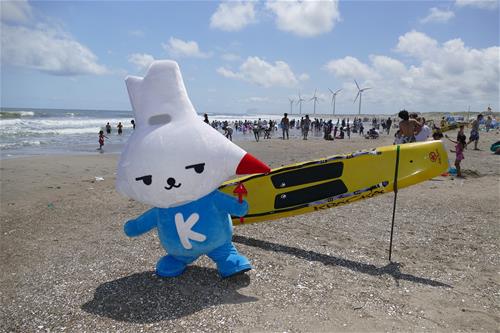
(370, 128)
(330, 130)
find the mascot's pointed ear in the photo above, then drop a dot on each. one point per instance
(133, 85)
(160, 97)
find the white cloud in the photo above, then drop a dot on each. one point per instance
(179, 48)
(448, 77)
(228, 73)
(438, 15)
(48, 50)
(305, 18)
(233, 16)
(482, 4)
(15, 11)
(43, 46)
(260, 72)
(417, 44)
(349, 67)
(230, 57)
(304, 77)
(141, 60)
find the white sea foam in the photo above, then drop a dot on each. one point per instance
(16, 114)
(57, 126)
(23, 143)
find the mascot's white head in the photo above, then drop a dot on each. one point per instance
(173, 157)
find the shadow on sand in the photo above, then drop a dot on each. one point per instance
(391, 269)
(146, 298)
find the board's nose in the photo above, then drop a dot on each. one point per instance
(249, 164)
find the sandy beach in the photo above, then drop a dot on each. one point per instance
(67, 266)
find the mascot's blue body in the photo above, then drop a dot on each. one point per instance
(179, 175)
(188, 231)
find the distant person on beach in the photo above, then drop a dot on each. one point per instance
(459, 151)
(268, 130)
(341, 134)
(443, 122)
(205, 116)
(306, 124)
(487, 123)
(133, 123)
(388, 124)
(424, 133)
(228, 132)
(407, 128)
(285, 125)
(328, 130)
(108, 128)
(256, 131)
(101, 139)
(120, 126)
(437, 134)
(474, 132)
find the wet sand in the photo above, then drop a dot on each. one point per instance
(67, 266)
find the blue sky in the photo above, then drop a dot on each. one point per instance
(239, 57)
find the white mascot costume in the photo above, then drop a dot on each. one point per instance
(175, 162)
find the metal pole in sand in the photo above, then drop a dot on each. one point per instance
(395, 186)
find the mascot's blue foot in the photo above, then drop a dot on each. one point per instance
(229, 261)
(234, 264)
(168, 266)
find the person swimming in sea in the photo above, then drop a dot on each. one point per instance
(101, 139)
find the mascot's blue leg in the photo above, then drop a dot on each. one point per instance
(229, 261)
(170, 266)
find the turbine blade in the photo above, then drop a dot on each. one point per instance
(338, 91)
(331, 91)
(365, 89)
(357, 85)
(356, 98)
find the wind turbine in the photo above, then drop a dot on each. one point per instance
(334, 95)
(360, 93)
(291, 104)
(299, 102)
(315, 99)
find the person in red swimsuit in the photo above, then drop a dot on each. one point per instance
(101, 139)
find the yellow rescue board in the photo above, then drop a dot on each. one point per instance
(448, 127)
(341, 179)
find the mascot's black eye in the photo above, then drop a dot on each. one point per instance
(145, 179)
(197, 167)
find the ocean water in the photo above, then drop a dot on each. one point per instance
(27, 132)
